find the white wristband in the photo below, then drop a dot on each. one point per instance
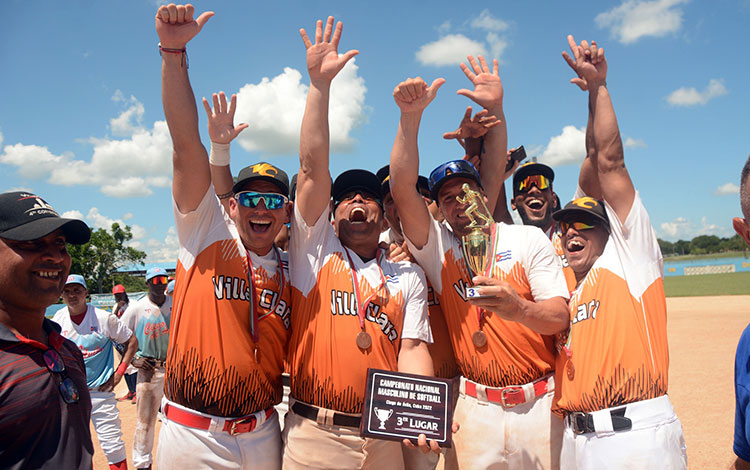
(219, 155)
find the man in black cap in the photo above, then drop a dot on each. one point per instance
(44, 398)
(353, 309)
(230, 323)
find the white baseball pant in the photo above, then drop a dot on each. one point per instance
(148, 398)
(106, 419)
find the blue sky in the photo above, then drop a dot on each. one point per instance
(81, 121)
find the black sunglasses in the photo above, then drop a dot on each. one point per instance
(67, 388)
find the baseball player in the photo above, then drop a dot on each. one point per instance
(502, 342)
(612, 369)
(441, 351)
(353, 308)
(121, 304)
(741, 371)
(232, 293)
(94, 332)
(45, 409)
(149, 320)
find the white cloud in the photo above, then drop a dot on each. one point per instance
(634, 143)
(451, 49)
(163, 251)
(635, 19)
(32, 161)
(72, 215)
(567, 148)
(497, 45)
(486, 21)
(684, 229)
(690, 96)
(127, 216)
(129, 121)
(274, 132)
(726, 189)
(444, 28)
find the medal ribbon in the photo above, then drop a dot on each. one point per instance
(361, 309)
(251, 280)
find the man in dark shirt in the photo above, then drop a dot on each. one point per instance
(45, 403)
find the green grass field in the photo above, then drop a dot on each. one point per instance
(707, 284)
(728, 254)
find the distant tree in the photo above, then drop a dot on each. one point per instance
(667, 248)
(98, 260)
(704, 244)
(131, 283)
(682, 247)
(735, 243)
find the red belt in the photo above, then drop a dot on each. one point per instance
(508, 396)
(231, 426)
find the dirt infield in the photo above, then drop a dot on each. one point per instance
(703, 335)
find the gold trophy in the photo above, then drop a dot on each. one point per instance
(475, 247)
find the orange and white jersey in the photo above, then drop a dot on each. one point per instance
(618, 336)
(212, 366)
(441, 350)
(329, 370)
(524, 258)
(556, 238)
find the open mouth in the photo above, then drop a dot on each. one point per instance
(357, 215)
(51, 275)
(259, 225)
(535, 204)
(574, 246)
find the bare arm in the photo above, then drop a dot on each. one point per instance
(323, 63)
(488, 93)
(412, 97)
(221, 130)
(414, 358)
(176, 27)
(740, 464)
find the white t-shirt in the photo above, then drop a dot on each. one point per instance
(94, 337)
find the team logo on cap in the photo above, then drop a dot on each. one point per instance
(39, 207)
(586, 202)
(265, 169)
(448, 172)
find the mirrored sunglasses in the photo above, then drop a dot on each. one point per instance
(251, 199)
(540, 181)
(564, 226)
(55, 364)
(159, 280)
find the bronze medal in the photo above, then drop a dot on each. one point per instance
(479, 339)
(363, 340)
(570, 369)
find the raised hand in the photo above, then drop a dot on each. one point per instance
(473, 127)
(413, 94)
(323, 59)
(221, 119)
(175, 24)
(588, 63)
(488, 89)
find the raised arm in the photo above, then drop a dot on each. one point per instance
(222, 132)
(488, 93)
(412, 97)
(176, 27)
(608, 157)
(323, 63)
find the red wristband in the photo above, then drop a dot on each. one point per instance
(122, 368)
(182, 52)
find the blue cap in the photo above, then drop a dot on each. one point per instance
(155, 272)
(170, 287)
(451, 169)
(76, 279)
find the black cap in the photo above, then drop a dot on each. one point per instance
(384, 175)
(265, 172)
(450, 170)
(356, 180)
(586, 206)
(532, 168)
(25, 216)
(293, 188)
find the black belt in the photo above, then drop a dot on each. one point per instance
(285, 380)
(311, 412)
(582, 423)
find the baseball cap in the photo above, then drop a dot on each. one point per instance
(356, 180)
(384, 175)
(532, 168)
(118, 289)
(76, 279)
(265, 172)
(587, 206)
(170, 287)
(25, 216)
(293, 188)
(155, 272)
(450, 170)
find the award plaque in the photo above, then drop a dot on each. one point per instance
(402, 406)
